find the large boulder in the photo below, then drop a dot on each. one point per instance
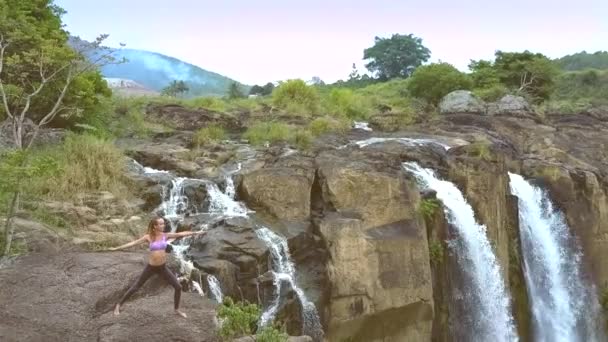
(281, 190)
(510, 105)
(378, 264)
(461, 101)
(70, 297)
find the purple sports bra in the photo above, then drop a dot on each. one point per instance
(159, 245)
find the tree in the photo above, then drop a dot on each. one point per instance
(268, 88)
(262, 90)
(397, 56)
(176, 88)
(317, 81)
(354, 74)
(432, 82)
(234, 91)
(527, 73)
(38, 71)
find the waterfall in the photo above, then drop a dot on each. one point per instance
(563, 307)
(174, 203)
(224, 203)
(174, 206)
(487, 300)
(283, 270)
(215, 289)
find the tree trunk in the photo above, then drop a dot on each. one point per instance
(9, 228)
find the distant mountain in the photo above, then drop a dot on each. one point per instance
(156, 71)
(584, 60)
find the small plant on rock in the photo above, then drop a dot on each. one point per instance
(239, 319)
(271, 334)
(428, 206)
(435, 252)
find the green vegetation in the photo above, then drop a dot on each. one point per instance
(345, 103)
(235, 91)
(584, 60)
(241, 319)
(481, 149)
(296, 98)
(207, 135)
(436, 252)
(176, 88)
(262, 90)
(85, 164)
(326, 124)
(428, 207)
(271, 334)
(432, 82)
(396, 56)
(271, 132)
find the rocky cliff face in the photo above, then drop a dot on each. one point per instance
(368, 253)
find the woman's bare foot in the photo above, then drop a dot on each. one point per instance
(179, 313)
(117, 310)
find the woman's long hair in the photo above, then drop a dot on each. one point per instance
(151, 228)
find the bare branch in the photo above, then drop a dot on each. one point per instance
(3, 45)
(53, 112)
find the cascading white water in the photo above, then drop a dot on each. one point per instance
(174, 203)
(405, 141)
(283, 270)
(215, 288)
(563, 307)
(486, 297)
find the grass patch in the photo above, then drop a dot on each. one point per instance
(208, 102)
(481, 150)
(207, 135)
(303, 139)
(322, 125)
(271, 132)
(296, 97)
(343, 102)
(87, 164)
(18, 246)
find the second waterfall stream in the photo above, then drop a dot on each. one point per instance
(488, 315)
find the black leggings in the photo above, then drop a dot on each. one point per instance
(147, 273)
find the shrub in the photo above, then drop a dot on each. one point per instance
(324, 125)
(271, 334)
(303, 139)
(432, 82)
(87, 164)
(343, 102)
(262, 132)
(296, 97)
(209, 134)
(491, 94)
(238, 319)
(209, 103)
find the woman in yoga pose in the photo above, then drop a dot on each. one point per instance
(157, 260)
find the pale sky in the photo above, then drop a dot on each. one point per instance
(255, 42)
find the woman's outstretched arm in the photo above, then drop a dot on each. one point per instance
(130, 244)
(182, 234)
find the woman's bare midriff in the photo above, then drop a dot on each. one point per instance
(157, 258)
